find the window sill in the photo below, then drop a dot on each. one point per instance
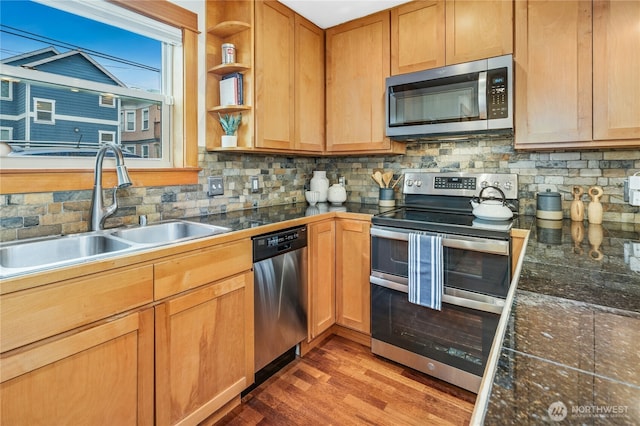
(18, 181)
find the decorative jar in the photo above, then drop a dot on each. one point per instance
(337, 194)
(320, 183)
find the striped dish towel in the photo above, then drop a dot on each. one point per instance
(426, 270)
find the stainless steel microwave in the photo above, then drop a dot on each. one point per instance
(468, 98)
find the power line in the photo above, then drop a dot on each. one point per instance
(43, 39)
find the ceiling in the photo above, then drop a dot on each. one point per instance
(328, 13)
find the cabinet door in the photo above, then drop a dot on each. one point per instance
(204, 350)
(616, 70)
(321, 250)
(353, 264)
(553, 72)
(102, 375)
(478, 29)
(274, 105)
(417, 36)
(358, 61)
(309, 86)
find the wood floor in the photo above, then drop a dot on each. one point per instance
(342, 383)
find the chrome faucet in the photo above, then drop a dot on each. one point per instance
(98, 213)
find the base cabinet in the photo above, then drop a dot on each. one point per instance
(102, 375)
(322, 287)
(204, 350)
(353, 264)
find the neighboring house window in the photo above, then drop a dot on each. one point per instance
(145, 119)
(145, 151)
(130, 148)
(45, 110)
(129, 121)
(6, 133)
(107, 137)
(6, 90)
(108, 101)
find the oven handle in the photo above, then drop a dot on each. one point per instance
(495, 307)
(452, 241)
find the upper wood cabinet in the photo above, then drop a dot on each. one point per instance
(289, 80)
(358, 61)
(353, 266)
(433, 33)
(576, 74)
(417, 36)
(478, 29)
(552, 72)
(616, 71)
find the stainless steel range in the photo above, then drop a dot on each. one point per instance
(452, 343)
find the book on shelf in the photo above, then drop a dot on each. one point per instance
(231, 89)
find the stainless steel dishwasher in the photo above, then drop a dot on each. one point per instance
(280, 294)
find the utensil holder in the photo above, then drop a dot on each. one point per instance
(386, 197)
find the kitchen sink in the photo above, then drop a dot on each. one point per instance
(58, 250)
(42, 254)
(168, 231)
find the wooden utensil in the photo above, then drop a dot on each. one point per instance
(377, 176)
(386, 178)
(398, 180)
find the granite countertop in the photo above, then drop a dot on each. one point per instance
(570, 351)
(252, 218)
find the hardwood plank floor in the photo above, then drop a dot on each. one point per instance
(341, 382)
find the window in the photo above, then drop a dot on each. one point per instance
(78, 80)
(129, 121)
(6, 90)
(44, 110)
(145, 151)
(108, 101)
(49, 174)
(107, 137)
(6, 133)
(145, 119)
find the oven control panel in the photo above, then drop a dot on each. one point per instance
(459, 183)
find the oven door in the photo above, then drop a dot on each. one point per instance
(452, 344)
(471, 265)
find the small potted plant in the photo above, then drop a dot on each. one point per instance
(230, 124)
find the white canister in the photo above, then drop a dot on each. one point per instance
(320, 183)
(337, 194)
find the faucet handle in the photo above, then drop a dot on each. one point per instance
(142, 220)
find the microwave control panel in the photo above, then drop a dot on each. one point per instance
(497, 87)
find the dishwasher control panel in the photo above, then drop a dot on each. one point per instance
(280, 242)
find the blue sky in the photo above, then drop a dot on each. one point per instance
(62, 26)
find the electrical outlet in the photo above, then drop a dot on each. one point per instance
(255, 185)
(216, 186)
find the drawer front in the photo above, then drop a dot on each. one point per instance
(192, 270)
(34, 314)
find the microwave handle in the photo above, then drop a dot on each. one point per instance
(450, 241)
(482, 95)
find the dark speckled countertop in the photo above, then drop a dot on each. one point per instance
(572, 341)
(571, 352)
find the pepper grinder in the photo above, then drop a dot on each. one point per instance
(595, 208)
(577, 206)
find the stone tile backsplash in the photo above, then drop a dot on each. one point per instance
(282, 181)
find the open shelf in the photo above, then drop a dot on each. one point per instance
(224, 69)
(228, 28)
(230, 108)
